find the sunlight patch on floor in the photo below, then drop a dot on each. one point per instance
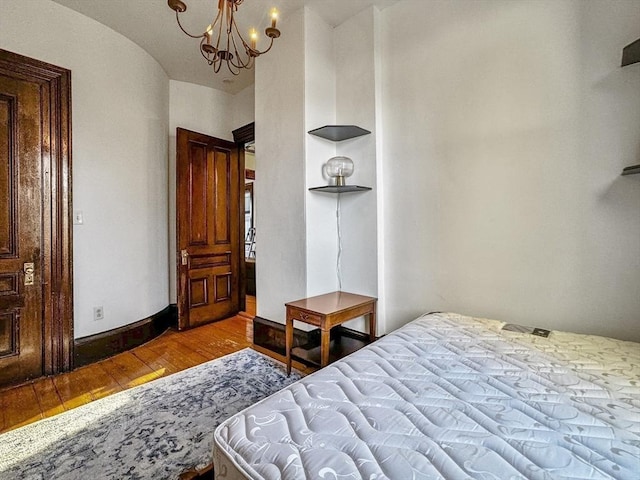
(49, 436)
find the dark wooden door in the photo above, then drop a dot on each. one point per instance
(208, 228)
(35, 242)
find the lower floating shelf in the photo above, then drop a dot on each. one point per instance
(340, 189)
(631, 170)
(338, 348)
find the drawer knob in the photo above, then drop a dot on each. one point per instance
(304, 316)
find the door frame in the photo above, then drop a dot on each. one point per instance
(243, 135)
(57, 238)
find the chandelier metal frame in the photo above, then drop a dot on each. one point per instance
(229, 47)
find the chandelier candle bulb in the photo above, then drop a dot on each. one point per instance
(253, 35)
(274, 17)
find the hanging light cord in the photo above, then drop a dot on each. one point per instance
(339, 256)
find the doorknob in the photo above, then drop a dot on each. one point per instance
(184, 255)
(29, 273)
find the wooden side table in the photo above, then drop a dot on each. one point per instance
(327, 311)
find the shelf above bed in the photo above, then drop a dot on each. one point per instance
(339, 347)
(634, 169)
(337, 133)
(631, 53)
(340, 189)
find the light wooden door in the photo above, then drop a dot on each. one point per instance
(208, 228)
(35, 242)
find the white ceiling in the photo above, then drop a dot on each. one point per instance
(152, 25)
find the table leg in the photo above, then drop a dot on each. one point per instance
(289, 342)
(372, 324)
(325, 338)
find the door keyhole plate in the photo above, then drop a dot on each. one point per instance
(29, 273)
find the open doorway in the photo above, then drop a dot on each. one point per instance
(250, 238)
(245, 138)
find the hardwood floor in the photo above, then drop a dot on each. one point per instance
(169, 353)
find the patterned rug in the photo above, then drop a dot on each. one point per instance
(155, 431)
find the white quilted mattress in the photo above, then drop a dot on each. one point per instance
(452, 397)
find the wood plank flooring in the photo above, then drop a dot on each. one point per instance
(171, 352)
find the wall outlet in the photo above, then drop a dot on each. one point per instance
(98, 313)
(78, 217)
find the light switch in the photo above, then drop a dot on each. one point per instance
(78, 218)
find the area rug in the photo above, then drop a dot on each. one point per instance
(155, 431)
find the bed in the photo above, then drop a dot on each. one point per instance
(449, 396)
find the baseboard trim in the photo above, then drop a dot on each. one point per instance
(97, 347)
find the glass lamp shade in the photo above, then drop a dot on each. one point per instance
(339, 168)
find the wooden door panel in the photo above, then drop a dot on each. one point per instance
(21, 306)
(198, 292)
(222, 196)
(210, 260)
(222, 286)
(197, 222)
(36, 321)
(9, 333)
(208, 223)
(210, 291)
(9, 280)
(9, 284)
(7, 177)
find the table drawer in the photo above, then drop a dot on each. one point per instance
(303, 316)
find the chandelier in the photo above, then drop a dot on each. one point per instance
(221, 43)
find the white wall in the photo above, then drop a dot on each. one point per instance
(356, 56)
(296, 91)
(243, 106)
(280, 172)
(203, 110)
(506, 127)
(319, 110)
(120, 108)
